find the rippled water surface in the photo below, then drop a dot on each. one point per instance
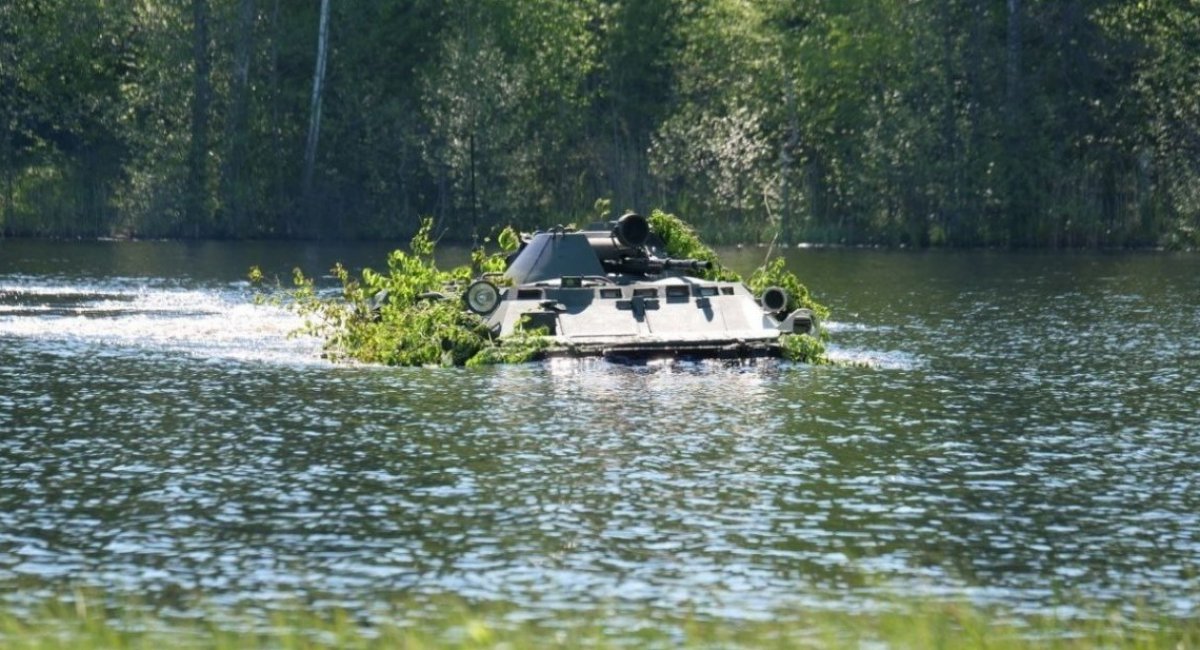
(1026, 429)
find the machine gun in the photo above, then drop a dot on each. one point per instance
(649, 265)
(625, 250)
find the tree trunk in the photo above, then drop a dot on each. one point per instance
(8, 184)
(474, 199)
(232, 179)
(974, 180)
(787, 227)
(949, 177)
(1018, 201)
(9, 75)
(1013, 56)
(196, 199)
(6, 169)
(318, 88)
(282, 216)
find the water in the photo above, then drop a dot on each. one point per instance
(1023, 433)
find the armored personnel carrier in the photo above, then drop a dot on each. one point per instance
(609, 290)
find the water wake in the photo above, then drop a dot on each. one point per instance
(222, 322)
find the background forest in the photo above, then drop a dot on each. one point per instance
(919, 122)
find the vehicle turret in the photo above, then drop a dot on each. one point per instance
(627, 248)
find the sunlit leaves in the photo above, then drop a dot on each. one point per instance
(404, 316)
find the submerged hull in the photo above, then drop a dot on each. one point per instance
(641, 349)
(679, 316)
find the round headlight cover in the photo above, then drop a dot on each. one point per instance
(482, 297)
(774, 299)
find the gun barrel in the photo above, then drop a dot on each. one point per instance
(652, 265)
(686, 265)
(623, 250)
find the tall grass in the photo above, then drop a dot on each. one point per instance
(79, 622)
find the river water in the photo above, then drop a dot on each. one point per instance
(1022, 430)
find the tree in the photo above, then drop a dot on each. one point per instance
(314, 112)
(632, 85)
(962, 122)
(60, 141)
(1164, 38)
(196, 209)
(503, 101)
(715, 151)
(235, 187)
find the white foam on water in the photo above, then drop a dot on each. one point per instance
(876, 359)
(217, 323)
(840, 326)
(220, 323)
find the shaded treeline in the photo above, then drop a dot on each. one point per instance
(963, 122)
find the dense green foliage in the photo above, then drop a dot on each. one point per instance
(402, 317)
(774, 273)
(940, 122)
(681, 241)
(81, 623)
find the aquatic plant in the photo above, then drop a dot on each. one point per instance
(89, 622)
(404, 317)
(804, 348)
(410, 315)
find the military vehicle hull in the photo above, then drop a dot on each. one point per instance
(676, 316)
(602, 292)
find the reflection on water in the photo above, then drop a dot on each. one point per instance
(1026, 430)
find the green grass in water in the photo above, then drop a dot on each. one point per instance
(73, 622)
